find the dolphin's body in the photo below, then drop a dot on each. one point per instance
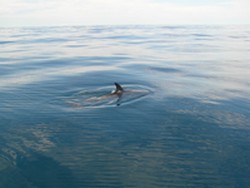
(103, 99)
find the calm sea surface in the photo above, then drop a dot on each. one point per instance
(184, 120)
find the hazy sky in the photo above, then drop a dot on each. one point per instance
(112, 12)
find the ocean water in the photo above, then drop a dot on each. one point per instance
(182, 121)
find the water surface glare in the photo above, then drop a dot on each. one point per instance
(184, 120)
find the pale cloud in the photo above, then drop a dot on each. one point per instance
(92, 12)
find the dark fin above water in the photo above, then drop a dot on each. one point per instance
(119, 88)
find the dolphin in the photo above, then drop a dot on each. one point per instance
(104, 98)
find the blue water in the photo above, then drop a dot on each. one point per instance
(190, 129)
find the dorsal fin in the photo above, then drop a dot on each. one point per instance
(118, 88)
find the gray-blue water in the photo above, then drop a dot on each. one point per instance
(188, 126)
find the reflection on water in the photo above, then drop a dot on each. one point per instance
(185, 122)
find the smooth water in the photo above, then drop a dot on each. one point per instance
(190, 129)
